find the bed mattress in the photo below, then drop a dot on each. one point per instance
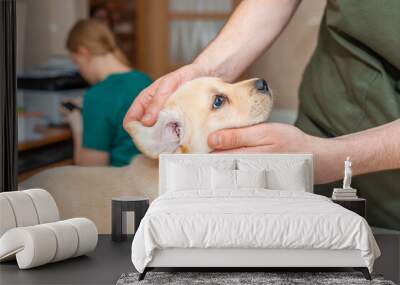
(250, 219)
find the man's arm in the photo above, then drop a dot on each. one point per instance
(252, 28)
(372, 150)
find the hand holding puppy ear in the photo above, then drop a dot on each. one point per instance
(150, 101)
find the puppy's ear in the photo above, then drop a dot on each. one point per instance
(163, 137)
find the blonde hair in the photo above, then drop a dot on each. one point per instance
(96, 37)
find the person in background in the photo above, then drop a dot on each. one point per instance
(99, 138)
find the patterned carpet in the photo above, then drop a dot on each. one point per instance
(243, 278)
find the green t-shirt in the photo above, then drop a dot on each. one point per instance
(352, 83)
(104, 107)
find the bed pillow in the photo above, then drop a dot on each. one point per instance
(281, 174)
(293, 180)
(227, 179)
(223, 179)
(181, 177)
(251, 178)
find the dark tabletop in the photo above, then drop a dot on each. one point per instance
(102, 266)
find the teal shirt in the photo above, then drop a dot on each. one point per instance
(104, 107)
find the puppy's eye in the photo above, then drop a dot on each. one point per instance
(219, 100)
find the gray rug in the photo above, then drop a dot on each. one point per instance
(243, 278)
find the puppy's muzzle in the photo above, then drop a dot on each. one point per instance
(262, 86)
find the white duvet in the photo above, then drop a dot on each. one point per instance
(250, 219)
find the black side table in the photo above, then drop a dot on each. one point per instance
(120, 207)
(357, 205)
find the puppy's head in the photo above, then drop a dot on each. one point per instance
(198, 108)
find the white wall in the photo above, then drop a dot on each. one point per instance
(283, 64)
(45, 25)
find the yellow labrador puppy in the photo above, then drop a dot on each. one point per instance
(196, 109)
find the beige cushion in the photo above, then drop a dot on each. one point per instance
(45, 206)
(7, 218)
(23, 208)
(26, 208)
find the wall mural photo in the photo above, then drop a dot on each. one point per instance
(199, 125)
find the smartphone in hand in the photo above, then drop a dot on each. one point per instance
(70, 106)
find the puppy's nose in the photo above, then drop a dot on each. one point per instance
(261, 85)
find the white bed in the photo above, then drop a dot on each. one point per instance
(249, 227)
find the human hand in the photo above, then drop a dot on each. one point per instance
(284, 138)
(74, 119)
(150, 101)
(265, 138)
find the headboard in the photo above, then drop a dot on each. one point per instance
(212, 159)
